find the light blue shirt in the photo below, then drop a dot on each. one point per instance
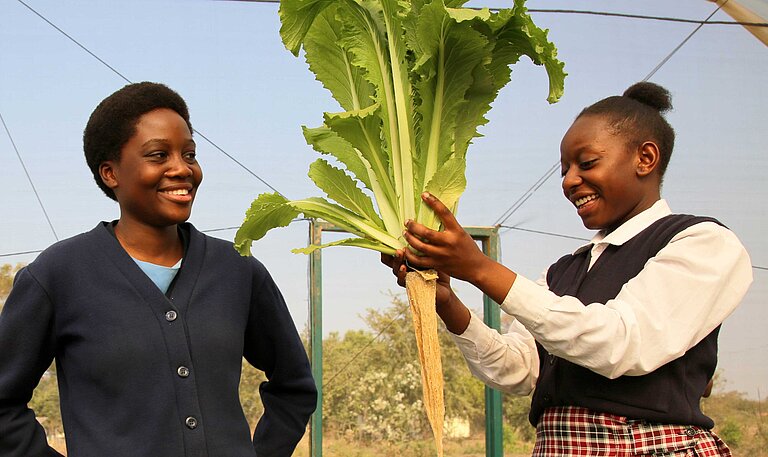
(162, 276)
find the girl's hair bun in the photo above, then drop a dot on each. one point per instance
(650, 94)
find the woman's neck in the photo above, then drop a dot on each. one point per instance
(158, 245)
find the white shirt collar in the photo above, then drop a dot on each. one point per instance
(632, 227)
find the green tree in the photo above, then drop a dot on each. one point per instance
(45, 403)
(7, 273)
(372, 383)
(45, 399)
(250, 380)
(739, 421)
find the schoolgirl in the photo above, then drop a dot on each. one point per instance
(618, 340)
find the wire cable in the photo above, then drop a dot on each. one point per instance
(526, 195)
(237, 162)
(220, 229)
(224, 229)
(12, 254)
(29, 178)
(654, 18)
(74, 41)
(541, 232)
(669, 56)
(595, 13)
(103, 62)
(360, 352)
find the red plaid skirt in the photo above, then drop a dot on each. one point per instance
(578, 432)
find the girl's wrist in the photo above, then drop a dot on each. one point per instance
(493, 279)
(482, 270)
(454, 314)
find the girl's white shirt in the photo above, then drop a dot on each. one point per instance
(680, 296)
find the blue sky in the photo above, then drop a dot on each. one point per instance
(250, 96)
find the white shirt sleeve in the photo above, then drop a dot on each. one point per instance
(680, 296)
(508, 362)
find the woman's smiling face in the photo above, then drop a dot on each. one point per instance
(603, 177)
(157, 175)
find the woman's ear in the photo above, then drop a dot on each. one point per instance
(648, 158)
(107, 173)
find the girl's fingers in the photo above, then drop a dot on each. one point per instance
(445, 215)
(401, 275)
(387, 260)
(420, 261)
(416, 242)
(421, 231)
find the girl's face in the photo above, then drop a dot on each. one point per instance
(607, 181)
(157, 175)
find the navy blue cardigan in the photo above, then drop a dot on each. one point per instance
(145, 374)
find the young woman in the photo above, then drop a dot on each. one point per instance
(619, 338)
(147, 318)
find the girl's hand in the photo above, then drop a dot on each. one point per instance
(450, 309)
(399, 269)
(452, 251)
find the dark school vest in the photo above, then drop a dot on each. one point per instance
(670, 394)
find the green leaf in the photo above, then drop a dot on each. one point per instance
(268, 211)
(362, 129)
(447, 185)
(355, 242)
(326, 141)
(366, 37)
(448, 48)
(347, 220)
(516, 31)
(296, 17)
(403, 146)
(342, 189)
(332, 64)
(511, 33)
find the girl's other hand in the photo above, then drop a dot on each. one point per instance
(452, 251)
(399, 269)
(396, 263)
(448, 306)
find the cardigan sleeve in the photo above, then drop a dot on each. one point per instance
(26, 351)
(272, 345)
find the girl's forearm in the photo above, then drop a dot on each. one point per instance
(493, 279)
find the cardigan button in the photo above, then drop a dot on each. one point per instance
(182, 371)
(191, 423)
(171, 316)
(690, 431)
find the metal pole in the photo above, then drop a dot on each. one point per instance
(489, 237)
(316, 337)
(494, 442)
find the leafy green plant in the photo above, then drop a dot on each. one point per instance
(415, 79)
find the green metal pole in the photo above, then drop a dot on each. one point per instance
(316, 337)
(489, 236)
(494, 443)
